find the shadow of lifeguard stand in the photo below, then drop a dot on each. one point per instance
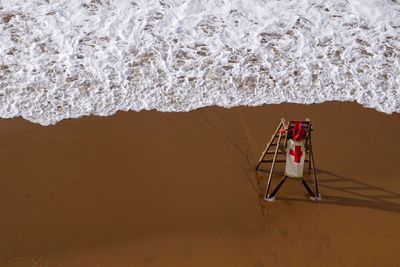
(275, 147)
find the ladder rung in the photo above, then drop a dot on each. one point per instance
(280, 160)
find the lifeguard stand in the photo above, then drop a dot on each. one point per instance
(275, 147)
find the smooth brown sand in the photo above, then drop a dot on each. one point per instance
(179, 189)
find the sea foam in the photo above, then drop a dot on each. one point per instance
(69, 58)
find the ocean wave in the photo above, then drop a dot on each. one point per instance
(70, 58)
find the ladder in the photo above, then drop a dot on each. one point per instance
(277, 146)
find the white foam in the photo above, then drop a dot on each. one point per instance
(68, 58)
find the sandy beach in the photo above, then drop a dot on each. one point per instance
(179, 189)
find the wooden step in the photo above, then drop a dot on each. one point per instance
(273, 152)
(280, 160)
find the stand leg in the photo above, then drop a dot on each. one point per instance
(309, 153)
(307, 187)
(273, 165)
(277, 187)
(313, 167)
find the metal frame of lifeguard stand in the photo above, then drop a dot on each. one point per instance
(280, 133)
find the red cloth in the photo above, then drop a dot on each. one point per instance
(298, 132)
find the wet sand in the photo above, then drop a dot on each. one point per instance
(179, 189)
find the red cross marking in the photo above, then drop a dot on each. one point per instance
(297, 153)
